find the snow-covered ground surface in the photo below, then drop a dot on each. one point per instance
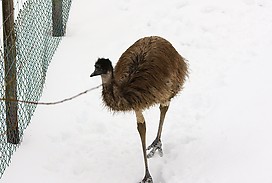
(218, 130)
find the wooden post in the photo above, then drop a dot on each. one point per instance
(10, 71)
(58, 28)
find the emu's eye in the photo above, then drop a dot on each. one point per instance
(97, 66)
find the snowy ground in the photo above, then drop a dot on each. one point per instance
(218, 130)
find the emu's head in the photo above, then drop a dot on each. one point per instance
(104, 68)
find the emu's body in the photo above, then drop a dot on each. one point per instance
(149, 72)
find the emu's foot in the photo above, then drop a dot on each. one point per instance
(147, 179)
(155, 146)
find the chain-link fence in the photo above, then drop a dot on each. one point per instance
(35, 46)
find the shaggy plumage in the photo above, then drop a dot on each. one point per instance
(149, 72)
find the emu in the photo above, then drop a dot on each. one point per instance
(149, 72)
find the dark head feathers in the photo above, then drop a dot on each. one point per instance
(102, 66)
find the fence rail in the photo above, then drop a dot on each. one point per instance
(35, 47)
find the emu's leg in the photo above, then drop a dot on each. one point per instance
(156, 144)
(142, 131)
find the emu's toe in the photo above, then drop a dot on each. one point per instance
(147, 180)
(155, 146)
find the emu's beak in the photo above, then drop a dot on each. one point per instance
(96, 73)
(93, 74)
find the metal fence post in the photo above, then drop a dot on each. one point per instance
(57, 19)
(10, 72)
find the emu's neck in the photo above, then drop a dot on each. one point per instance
(112, 96)
(107, 78)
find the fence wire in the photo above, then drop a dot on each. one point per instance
(35, 47)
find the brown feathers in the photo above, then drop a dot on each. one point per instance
(149, 72)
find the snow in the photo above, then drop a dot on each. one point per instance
(218, 130)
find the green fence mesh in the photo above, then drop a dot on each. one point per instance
(35, 47)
